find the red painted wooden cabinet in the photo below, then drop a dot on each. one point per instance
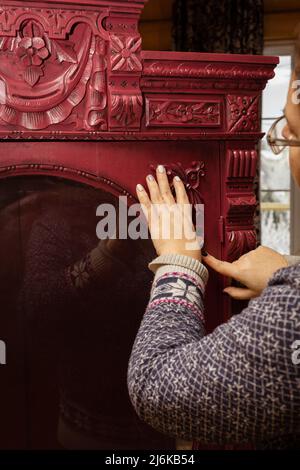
(85, 115)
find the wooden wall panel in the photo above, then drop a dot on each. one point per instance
(281, 25)
(156, 25)
(280, 5)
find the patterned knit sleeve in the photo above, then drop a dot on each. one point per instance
(235, 385)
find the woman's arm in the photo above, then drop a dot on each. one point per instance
(236, 385)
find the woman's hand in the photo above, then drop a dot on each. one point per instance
(169, 219)
(253, 270)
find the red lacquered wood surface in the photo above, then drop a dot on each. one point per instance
(79, 99)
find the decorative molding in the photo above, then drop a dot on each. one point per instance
(241, 164)
(56, 22)
(182, 113)
(187, 69)
(64, 172)
(191, 177)
(116, 25)
(126, 135)
(70, 71)
(155, 84)
(243, 113)
(241, 208)
(125, 97)
(240, 202)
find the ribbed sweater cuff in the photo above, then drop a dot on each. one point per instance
(170, 261)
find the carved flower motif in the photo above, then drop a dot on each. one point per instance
(124, 52)
(32, 51)
(191, 178)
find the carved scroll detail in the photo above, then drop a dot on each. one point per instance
(50, 78)
(182, 113)
(240, 242)
(95, 116)
(126, 111)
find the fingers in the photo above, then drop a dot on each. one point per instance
(154, 190)
(181, 195)
(160, 191)
(143, 200)
(239, 293)
(221, 267)
(164, 185)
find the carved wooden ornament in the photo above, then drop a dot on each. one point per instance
(87, 103)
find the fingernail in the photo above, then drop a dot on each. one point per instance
(177, 178)
(140, 187)
(204, 253)
(150, 178)
(161, 169)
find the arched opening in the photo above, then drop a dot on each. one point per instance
(71, 307)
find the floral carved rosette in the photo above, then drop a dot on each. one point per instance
(44, 80)
(191, 177)
(125, 53)
(32, 50)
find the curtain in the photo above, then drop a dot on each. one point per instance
(234, 26)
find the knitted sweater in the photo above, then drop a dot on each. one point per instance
(236, 385)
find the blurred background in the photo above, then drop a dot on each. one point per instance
(256, 27)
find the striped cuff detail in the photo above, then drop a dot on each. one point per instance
(179, 271)
(186, 262)
(198, 312)
(176, 286)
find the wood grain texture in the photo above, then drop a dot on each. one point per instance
(281, 25)
(156, 25)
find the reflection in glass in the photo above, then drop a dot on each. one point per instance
(77, 303)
